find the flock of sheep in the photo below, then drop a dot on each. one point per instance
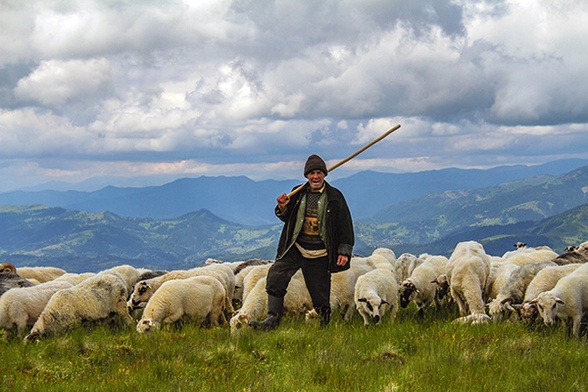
(525, 284)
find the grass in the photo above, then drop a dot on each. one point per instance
(433, 354)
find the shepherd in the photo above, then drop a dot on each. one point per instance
(317, 237)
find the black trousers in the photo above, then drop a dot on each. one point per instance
(316, 276)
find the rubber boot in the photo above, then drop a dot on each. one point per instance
(325, 313)
(275, 308)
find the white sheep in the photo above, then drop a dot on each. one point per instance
(341, 297)
(20, 307)
(75, 278)
(40, 274)
(376, 293)
(420, 287)
(525, 255)
(568, 300)
(545, 280)
(251, 279)
(514, 289)
(94, 299)
(500, 272)
(144, 289)
(129, 273)
(468, 270)
(404, 265)
(199, 298)
(296, 302)
(383, 258)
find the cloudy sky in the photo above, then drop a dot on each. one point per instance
(154, 90)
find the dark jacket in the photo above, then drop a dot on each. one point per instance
(339, 226)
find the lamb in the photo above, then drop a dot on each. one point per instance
(545, 280)
(468, 270)
(421, 286)
(199, 298)
(373, 291)
(568, 300)
(514, 289)
(20, 307)
(94, 299)
(296, 302)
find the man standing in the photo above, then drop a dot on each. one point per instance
(317, 237)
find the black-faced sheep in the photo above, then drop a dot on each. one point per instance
(513, 292)
(197, 299)
(545, 280)
(376, 293)
(568, 300)
(421, 286)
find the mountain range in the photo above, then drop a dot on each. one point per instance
(541, 209)
(242, 200)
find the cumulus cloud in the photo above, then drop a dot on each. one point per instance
(231, 87)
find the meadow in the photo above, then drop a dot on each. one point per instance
(433, 354)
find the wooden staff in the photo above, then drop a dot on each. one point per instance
(295, 191)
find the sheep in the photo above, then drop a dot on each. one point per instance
(568, 300)
(37, 274)
(383, 257)
(373, 291)
(250, 279)
(9, 280)
(74, 278)
(128, 273)
(198, 298)
(468, 270)
(571, 257)
(545, 280)
(20, 307)
(94, 299)
(514, 289)
(404, 266)
(296, 302)
(144, 289)
(249, 263)
(525, 255)
(500, 272)
(342, 292)
(421, 286)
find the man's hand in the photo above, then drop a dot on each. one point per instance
(283, 201)
(342, 260)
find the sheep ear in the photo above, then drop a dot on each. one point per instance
(560, 301)
(533, 301)
(385, 302)
(362, 300)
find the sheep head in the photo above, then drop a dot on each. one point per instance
(406, 289)
(442, 286)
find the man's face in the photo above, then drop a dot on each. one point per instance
(316, 179)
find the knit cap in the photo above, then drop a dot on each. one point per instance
(314, 162)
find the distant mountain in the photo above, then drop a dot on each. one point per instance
(248, 202)
(37, 234)
(557, 232)
(436, 215)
